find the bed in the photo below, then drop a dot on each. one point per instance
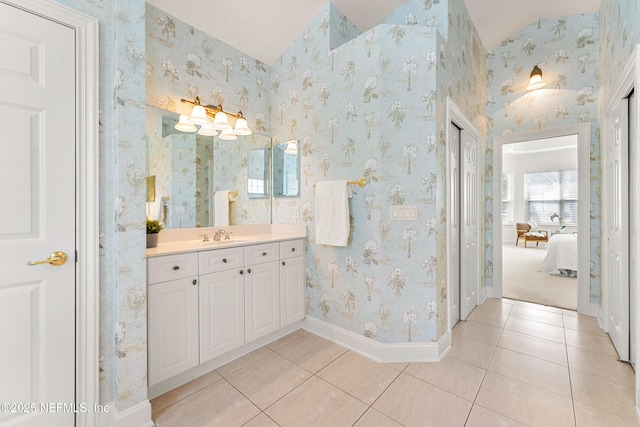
(562, 254)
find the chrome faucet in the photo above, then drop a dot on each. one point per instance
(219, 233)
(205, 236)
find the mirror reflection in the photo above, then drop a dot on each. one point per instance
(190, 169)
(258, 173)
(286, 169)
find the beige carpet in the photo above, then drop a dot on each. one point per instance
(524, 278)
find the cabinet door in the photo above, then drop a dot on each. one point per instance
(292, 290)
(173, 328)
(221, 313)
(262, 300)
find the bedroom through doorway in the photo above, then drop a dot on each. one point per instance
(539, 216)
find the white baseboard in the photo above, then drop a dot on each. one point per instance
(138, 415)
(380, 352)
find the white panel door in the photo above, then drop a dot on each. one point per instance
(262, 300)
(37, 190)
(173, 328)
(454, 222)
(469, 274)
(292, 289)
(616, 225)
(221, 313)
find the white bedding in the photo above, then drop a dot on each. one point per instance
(562, 252)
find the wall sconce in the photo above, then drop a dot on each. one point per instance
(200, 116)
(535, 79)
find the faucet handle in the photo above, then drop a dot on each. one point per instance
(227, 235)
(205, 236)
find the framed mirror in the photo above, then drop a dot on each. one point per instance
(190, 168)
(286, 169)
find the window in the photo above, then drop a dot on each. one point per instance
(507, 198)
(548, 193)
(255, 186)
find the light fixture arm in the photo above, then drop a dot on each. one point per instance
(211, 109)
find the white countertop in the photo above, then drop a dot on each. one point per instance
(172, 244)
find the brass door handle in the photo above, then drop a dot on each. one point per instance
(55, 258)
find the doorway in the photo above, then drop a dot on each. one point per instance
(539, 212)
(582, 133)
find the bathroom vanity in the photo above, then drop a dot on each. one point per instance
(210, 302)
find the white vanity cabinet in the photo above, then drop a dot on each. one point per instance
(172, 315)
(221, 302)
(292, 284)
(211, 305)
(261, 290)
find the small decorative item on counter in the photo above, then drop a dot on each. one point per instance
(154, 227)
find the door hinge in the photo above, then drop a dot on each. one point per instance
(76, 256)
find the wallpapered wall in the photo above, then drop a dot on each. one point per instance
(618, 36)
(123, 305)
(566, 50)
(369, 108)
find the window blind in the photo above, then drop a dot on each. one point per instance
(549, 193)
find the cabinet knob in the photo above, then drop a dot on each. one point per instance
(248, 270)
(284, 263)
(195, 282)
(224, 260)
(293, 249)
(241, 271)
(264, 254)
(176, 267)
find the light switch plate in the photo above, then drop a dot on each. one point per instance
(404, 213)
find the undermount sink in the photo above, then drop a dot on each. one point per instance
(224, 242)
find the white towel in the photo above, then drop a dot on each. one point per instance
(332, 213)
(221, 208)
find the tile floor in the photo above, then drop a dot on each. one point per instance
(511, 364)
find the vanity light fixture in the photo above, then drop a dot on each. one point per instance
(535, 79)
(201, 115)
(185, 125)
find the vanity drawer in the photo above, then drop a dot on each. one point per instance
(171, 267)
(291, 248)
(221, 259)
(259, 254)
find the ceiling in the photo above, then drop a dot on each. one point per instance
(264, 29)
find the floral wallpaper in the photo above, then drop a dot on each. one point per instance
(618, 36)
(122, 293)
(369, 108)
(566, 50)
(182, 62)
